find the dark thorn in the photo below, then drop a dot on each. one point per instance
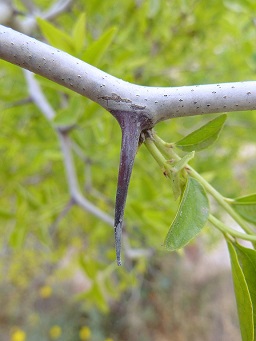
(118, 237)
(130, 140)
(132, 124)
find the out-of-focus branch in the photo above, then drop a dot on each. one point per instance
(30, 6)
(37, 96)
(132, 253)
(6, 11)
(88, 185)
(41, 102)
(27, 22)
(61, 215)
(57, 8)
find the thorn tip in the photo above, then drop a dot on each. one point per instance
(118, 237)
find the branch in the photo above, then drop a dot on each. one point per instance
(37, 96)
(41, 102)
(56, 9)
(30, 6)
(136, 108)
(116, 95)
(39, 99)
(27, 23)
(6, 11)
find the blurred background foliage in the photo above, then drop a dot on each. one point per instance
(61, 273)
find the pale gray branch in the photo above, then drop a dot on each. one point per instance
(38, 97)
(157, 103)
(6, 11)
(135, 253)
(69, 164)
(41, 102)
(61, 215)
(28, 21)
(56, 9)
(30, 6)
(88, 206)
(77, 198)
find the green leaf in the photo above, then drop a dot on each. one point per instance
(56, 37)
(97, 49)
(6, 214)
(79, 33)
(17, 236)
(69, 116)
(246, 207)
(247, 260)
(243, 299)
(28, 196)
(191, 216)
(204, 136)
(96, 295)
(89, 267)
(251, 198)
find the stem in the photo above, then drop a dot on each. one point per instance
(155, 152)
(157, 147)
(225, 229)
(165, 148)
(221, 200)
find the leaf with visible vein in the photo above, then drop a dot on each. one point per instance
(204, 136)
(246, 207)
(243, 299)
(191, 217)
(247, 260)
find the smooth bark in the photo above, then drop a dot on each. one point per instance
(157, 103)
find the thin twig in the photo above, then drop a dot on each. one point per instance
(62, 214)
(41, 102)
(56, 9)
(37, 96)
(18, 103)
(30, 6)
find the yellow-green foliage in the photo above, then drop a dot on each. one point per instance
(150, 42)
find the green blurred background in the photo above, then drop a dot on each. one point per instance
(58, 275)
